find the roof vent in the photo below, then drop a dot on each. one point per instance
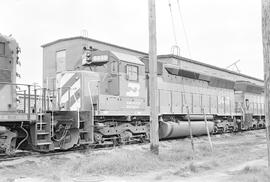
(84, 33)
(175, 50)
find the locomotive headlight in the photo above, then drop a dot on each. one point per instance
(86, 58)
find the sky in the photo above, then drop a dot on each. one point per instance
(216, 32)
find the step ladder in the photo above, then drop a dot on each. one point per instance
(86, 122)
(86, 128)
(41, 133)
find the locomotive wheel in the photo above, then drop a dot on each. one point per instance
(8, 142)
(69, 140)
(98, 138)
(235, 128)
(215, 131)
(143, 139)
(125, 136)
(10, 150)
(226, 129)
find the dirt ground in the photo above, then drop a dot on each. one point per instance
(236, 157)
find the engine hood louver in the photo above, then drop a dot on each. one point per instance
(213, 81)
(248, 87)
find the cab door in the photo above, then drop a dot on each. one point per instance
(113, 80)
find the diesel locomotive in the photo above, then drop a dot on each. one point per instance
(104, 100)
(117, 88)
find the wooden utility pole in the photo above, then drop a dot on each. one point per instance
(190, 130)
(266, 57)
(207, 130)
(154, 139)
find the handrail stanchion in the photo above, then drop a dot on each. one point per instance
(58, 98)
(48, 99)
(35, 94)
(68, 107)
(29, 95)
(24, 101)
(43, 100)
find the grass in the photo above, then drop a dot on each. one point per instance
(132, 161)
(124, 162)
(252, 174)
(175, 159)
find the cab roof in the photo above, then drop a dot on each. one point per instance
(127, 58)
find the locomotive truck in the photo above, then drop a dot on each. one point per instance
(105, 100)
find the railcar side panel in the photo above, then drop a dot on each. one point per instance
(177, 102)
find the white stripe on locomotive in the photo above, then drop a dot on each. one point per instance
(73, 89)
(76, 105)
(65, 78)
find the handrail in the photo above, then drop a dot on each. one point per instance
(29, 93)
(9, 83)
(33, 99)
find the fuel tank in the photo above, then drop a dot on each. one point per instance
(198, 117)
(181, 129)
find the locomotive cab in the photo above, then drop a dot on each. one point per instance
(112, 82)
(123, 87)
(112, 86)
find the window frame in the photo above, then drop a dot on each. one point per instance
(114, 67)
(4, 49)
(127, 73)
(56, 60)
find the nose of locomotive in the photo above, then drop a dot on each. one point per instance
(77, 90)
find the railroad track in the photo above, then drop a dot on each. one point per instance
(22, 154)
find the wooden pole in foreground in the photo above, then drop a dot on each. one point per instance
(266, 57)
(154, 146)
(190, 130)
(207, 130)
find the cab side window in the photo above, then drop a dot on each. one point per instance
(2, 48)
(60, 60)
(132, 73)
(114, 67)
